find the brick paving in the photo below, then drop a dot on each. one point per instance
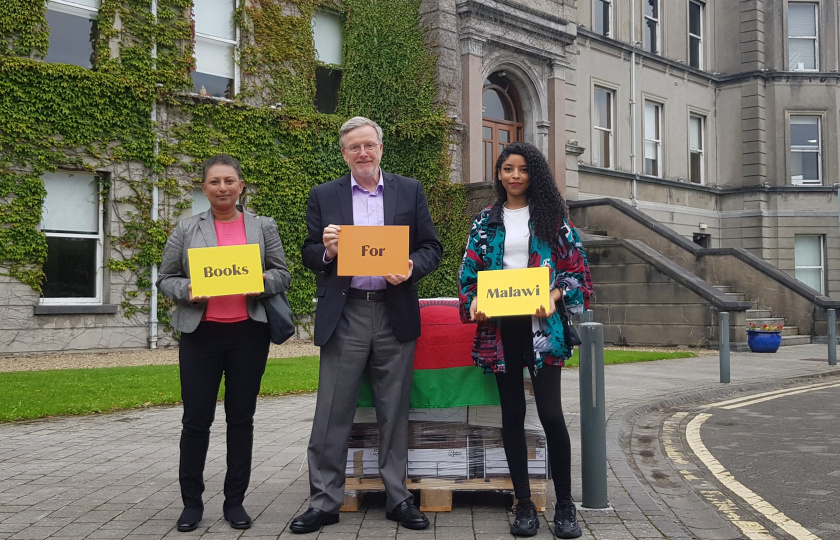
(114, 476)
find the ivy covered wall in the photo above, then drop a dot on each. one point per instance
(61, 116)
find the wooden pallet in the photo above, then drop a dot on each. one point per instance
(436, 493)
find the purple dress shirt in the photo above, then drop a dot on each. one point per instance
(368, 209)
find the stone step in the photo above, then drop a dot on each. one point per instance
(800, 339)
(759, 314)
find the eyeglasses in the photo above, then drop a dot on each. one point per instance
(356, 148)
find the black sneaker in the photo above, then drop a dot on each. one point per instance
(526, 522)
(565, 520)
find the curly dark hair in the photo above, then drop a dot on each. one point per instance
(544, 199)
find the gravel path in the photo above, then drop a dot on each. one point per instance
(146, 357)
(139, 357)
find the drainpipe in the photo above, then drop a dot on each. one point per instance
(633, 135)
(153, 301)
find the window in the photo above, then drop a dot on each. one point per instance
(199, 201)
(72, 222)
(602, 19)
(651, 29)
(802, 36)
(805, 159)
(215, 46)
(695, 34)
(602, 127)
(809, 258)
(653, 138)
(696, 143)
(501, 120)
(326, 31)
(72, 31)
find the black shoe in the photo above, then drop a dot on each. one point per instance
(312, 520)
(526, 522)
(408, 515)
(237, 517)
(189, 519)
(565, 520)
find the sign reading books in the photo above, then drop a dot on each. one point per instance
(513, 292)
(219, 271)
(373, 250)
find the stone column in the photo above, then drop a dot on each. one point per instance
(557, 124)
(472, 83)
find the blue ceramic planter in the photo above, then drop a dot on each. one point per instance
(763, 341)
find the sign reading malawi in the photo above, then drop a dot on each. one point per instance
(444, 373)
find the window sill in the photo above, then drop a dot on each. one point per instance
(75, 309)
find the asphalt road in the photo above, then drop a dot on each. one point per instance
(786, 450)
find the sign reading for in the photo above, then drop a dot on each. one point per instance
(513, 292)
(219, 271)
(372, 250)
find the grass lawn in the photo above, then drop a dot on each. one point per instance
(37, 394)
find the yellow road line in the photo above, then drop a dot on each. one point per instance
(788, 393)
(692, 435)
(771, 393)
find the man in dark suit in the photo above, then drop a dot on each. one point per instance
(364, 323)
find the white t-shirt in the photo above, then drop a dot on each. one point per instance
(517, 238)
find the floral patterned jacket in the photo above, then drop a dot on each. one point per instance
(569, 270)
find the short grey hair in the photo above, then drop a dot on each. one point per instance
(357, 122)
(221, 159)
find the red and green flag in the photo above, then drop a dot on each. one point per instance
(444, 373)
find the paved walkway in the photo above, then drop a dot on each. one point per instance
(114, 476)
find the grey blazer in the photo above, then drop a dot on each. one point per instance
(200, 231)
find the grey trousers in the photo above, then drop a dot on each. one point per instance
(363, 340)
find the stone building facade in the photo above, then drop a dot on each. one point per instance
(718, 120)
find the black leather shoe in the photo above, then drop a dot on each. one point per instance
(312, 520)
(408, 515)
(189, 519)
(237, 517)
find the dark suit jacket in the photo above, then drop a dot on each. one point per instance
(404, 204)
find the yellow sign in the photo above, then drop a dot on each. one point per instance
(219, 271)
(513, 292)
(372, 250)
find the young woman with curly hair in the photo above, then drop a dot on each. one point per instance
(528, 227)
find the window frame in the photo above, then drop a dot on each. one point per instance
(815, 38)
(657, 142)
(821, 267)
(656, 47)
(696, 38)
(611, 94)
(699, 151)
(791, 149)
(235, 58)
(596, 16)
(328, 75)
(100, 249)
(93, 13)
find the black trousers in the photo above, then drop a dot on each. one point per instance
(519, 353)
(239, 351)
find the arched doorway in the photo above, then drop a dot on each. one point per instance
(501, 119)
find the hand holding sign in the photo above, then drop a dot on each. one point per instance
(523, 291)
(374, 251)
(225, 270)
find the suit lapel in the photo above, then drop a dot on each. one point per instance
(390, 195)
(208, 230)
(344, 193)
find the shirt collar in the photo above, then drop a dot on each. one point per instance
(380, 187)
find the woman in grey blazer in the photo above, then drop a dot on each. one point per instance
(220, 335)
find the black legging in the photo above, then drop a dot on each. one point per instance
(519, 353)
(239, 351)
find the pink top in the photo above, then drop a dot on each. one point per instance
(231, 308)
